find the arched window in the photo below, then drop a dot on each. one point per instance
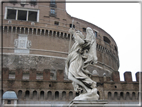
(133, 96)
(27, 94)
(18, 29)
(42, 32)
(46, 33)
(20, 94)
(56, 95)
(34, 94)
(49, 95)
(127, 96)
(42, 95)
(115, 96)
(70, 95)
(121, 96)
(54, 33)
(38, 32)
(5, 29)
(63, 95)
(26, 30)
(34, 32)
(9, 28)
(22, 30)
(14, 28)
(109, 95)
(106, 40)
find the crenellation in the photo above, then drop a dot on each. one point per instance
(128, 76)
(32, 75)
(115, 76)
(5, 73)
(60, 75)
(46, 74)
(18, 74)
(138, 76)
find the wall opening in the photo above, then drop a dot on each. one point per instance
(56, 95)
(12, 75)
(11, 14)
(32, 16)
(121, 96)
(115, 96)
(70, 95)
(22, 15)
(49, 95)
(34, 94)
(109, 95)
(20, 94)
(25, 76)
(8, 101)
(56, 23)
(106, 40)
(64, 95)
(27, 93)
(71, 26)
(133, 96)
(127, 96)
(42, 95)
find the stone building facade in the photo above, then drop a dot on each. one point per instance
(35, 44)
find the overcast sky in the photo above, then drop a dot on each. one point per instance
(122, 22)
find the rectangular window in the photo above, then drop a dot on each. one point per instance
(95, 34)
(23, 1)
(52, 3)
(11, 14)
(8, 101)
(52, 12)
(56, 23)
(11, 75)
(84, 29)
(39, 76)
(32, 16)
(22, 14)
(25, 76)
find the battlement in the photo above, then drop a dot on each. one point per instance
(127, 76)
(59, 75)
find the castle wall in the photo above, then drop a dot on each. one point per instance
(61, 89)
(48, 38)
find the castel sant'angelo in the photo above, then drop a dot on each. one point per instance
(35, 45)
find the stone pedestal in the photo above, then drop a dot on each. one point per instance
(88, 103)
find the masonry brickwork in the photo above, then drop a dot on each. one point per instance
(38, 77)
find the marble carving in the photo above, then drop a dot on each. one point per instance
(82, 54)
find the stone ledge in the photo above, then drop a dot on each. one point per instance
(94, 103)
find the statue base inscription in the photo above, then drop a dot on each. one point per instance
(88, 103)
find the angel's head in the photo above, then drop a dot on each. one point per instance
(89, 31)
(80, 34)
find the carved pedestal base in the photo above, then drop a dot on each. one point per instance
(88, 103)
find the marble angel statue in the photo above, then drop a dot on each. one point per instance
(82, 54)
